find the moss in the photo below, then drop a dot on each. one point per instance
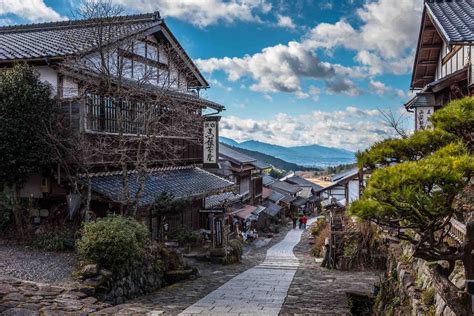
(428, 297)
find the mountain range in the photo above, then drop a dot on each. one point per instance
(308, 156)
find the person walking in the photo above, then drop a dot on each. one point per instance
(294, 219)
(304, 220)
(300, 222)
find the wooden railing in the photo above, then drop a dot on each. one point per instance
(457, 231)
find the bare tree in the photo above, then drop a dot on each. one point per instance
(394, 121)
(137, 114)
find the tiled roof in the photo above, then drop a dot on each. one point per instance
(454, 18)
(182, 183)
(300, 181)
(300, 201)
(288, 199)
(420, 100)
(245, 212)
(60, 39)
(345, 175)
(261, 165)
(276, 197)
(271, 209)
(233, 155)
(285, 187)
(220, 199)
(267, 180)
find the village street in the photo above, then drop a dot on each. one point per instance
(283, 279)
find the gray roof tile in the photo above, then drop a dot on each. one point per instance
(302, 182)
(285, 187)
(60, 39)
(182, 183)
(233, 155)
(455, 18)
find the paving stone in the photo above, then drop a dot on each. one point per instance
(262, 288)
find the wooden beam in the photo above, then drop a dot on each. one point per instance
(428, 62)
(431, 46)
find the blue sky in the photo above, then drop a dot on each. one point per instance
(289, 72)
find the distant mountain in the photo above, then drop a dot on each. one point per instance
(275, 162)
(228, 141)
(308, 156)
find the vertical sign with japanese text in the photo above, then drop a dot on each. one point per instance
(422, 116)
(211, 141)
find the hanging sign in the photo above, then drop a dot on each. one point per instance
(211, 142)
(218, 230)
(422, 116)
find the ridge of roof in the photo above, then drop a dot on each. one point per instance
(146, 17)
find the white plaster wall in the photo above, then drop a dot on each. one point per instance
(49, 75)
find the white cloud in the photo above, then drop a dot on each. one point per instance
(382, 44)
(381, 89)
(385, 39)
(285, 21)
(378, 87)
(276, 69)
(203, 12)
(31, 10)
(351, 128)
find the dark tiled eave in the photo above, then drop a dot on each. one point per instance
(183, 183)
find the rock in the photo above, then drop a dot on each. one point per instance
(90, 270)
(106, 273)
(20, 312)
(89, 300)
(6, 289)
(14, 297)
(95, 281)
(88, 290)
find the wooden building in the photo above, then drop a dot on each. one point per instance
(444, 60)
(150, 48)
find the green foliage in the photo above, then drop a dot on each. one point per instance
(26, 108)
(114, 242)
(415, 196)
(167, 204)
(457, 118)
(237, 248)
(420, 144)
(54, 240)
(419, 193)
(185, 236)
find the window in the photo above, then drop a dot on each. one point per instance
(109, 115)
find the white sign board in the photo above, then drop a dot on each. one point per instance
(210, 154)
(422, 116)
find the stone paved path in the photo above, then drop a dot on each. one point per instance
(319, 291)
(258, 291)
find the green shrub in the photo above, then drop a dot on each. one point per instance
(185, 236)
(114, 242)
(237, 247)
(54, 240)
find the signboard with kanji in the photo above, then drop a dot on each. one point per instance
(422, 116)
(211, 142)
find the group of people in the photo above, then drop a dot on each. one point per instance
(302, 220)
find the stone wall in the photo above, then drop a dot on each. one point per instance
(115, 288)
(415, 284)
(19, 297)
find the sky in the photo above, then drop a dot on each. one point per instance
(289, 72)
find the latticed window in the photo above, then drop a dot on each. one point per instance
(112, 115)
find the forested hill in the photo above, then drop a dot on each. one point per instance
(276, 162)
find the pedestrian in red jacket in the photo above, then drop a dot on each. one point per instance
(304, 220)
